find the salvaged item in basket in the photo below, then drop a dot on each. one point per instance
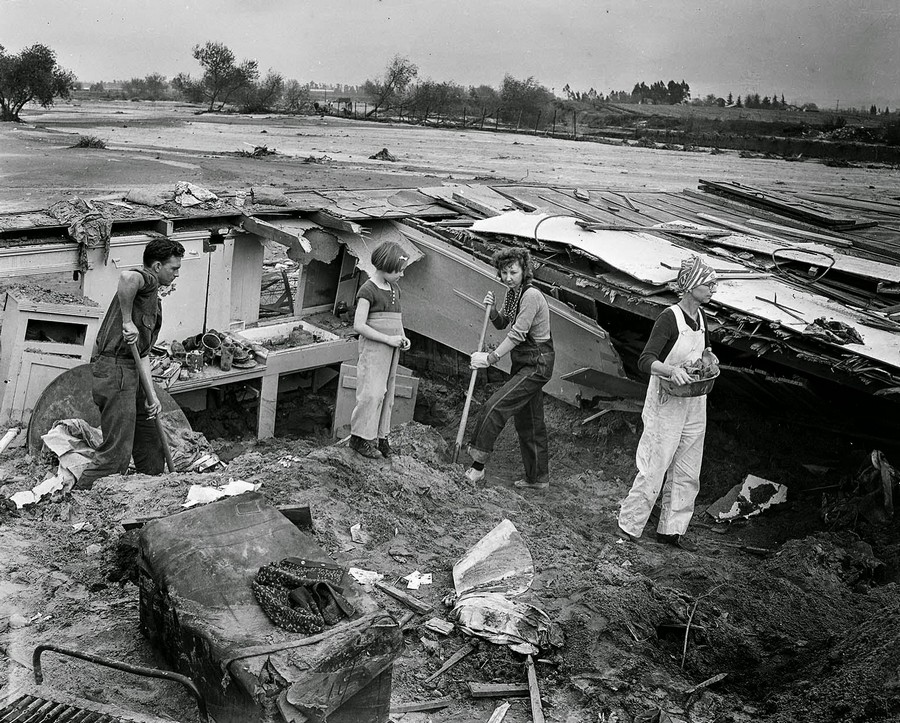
(703, 372)
(694, 389)
(198, 606)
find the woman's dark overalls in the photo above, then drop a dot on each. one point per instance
(522, 398)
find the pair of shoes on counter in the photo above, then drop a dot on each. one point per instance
(365, 447)
(679, 541)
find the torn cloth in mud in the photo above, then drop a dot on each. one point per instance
(301, 596)
(74, 442)
(490, 615)
(837, 332)
(499, 567)
(89, 227)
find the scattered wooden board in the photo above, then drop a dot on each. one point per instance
(497, 690)
(411, 602)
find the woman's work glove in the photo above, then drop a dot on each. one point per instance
(479, 360)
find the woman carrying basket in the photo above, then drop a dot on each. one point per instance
(671, 448)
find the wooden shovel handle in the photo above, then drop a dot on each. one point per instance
(472, 380)
(147, 384)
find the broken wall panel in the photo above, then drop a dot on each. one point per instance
(443, 296)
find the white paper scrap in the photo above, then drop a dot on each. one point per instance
(366, 578)
(200, 495)
(416, 579)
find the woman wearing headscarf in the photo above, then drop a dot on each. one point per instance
(670, 451)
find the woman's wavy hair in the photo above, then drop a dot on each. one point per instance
(507, 256)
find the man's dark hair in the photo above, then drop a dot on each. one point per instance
(162, 249)
(507, 256)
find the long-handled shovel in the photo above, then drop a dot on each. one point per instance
(147, 384)
(465, 414)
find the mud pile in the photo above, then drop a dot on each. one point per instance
(803, 633)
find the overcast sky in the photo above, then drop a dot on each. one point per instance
(824, 51)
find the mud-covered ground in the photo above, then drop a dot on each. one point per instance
(810, 632)
(158, 144)
(807, 633)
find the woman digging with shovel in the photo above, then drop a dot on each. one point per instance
(528, 342)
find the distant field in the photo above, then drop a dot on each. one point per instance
(158, 144)
(684, 112)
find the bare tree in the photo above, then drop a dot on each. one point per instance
(222, 75)
(295, 98)
(31, 76)
(262, 96)
(399, 73)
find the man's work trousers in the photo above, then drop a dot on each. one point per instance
(523, 399)
(127, 430)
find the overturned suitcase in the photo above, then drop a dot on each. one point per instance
(197, 605)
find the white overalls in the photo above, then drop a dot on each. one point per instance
(671, 447)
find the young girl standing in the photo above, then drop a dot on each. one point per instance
(381, 337)
(526, 312)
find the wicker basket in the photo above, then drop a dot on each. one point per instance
(693, 389)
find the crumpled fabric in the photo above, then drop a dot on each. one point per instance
(74, 441)
(88, 226)
(186, 445)
(189, 194)
(694, 272)
(837, 332)
(491, 615)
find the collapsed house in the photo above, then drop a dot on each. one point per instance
(604, 259)
(807, 309)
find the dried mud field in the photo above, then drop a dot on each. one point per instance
(798, 606)
(157, 144)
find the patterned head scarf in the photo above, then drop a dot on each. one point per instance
(694, 272)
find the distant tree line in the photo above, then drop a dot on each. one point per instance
(33, 76)
(399, 91)
(657, 93)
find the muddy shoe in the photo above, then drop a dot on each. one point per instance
(524, 484)
(384, 446)
(628, 537)
(679, 541)
(365, 447)
(474, 475)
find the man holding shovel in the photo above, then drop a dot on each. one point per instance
(127, 415)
